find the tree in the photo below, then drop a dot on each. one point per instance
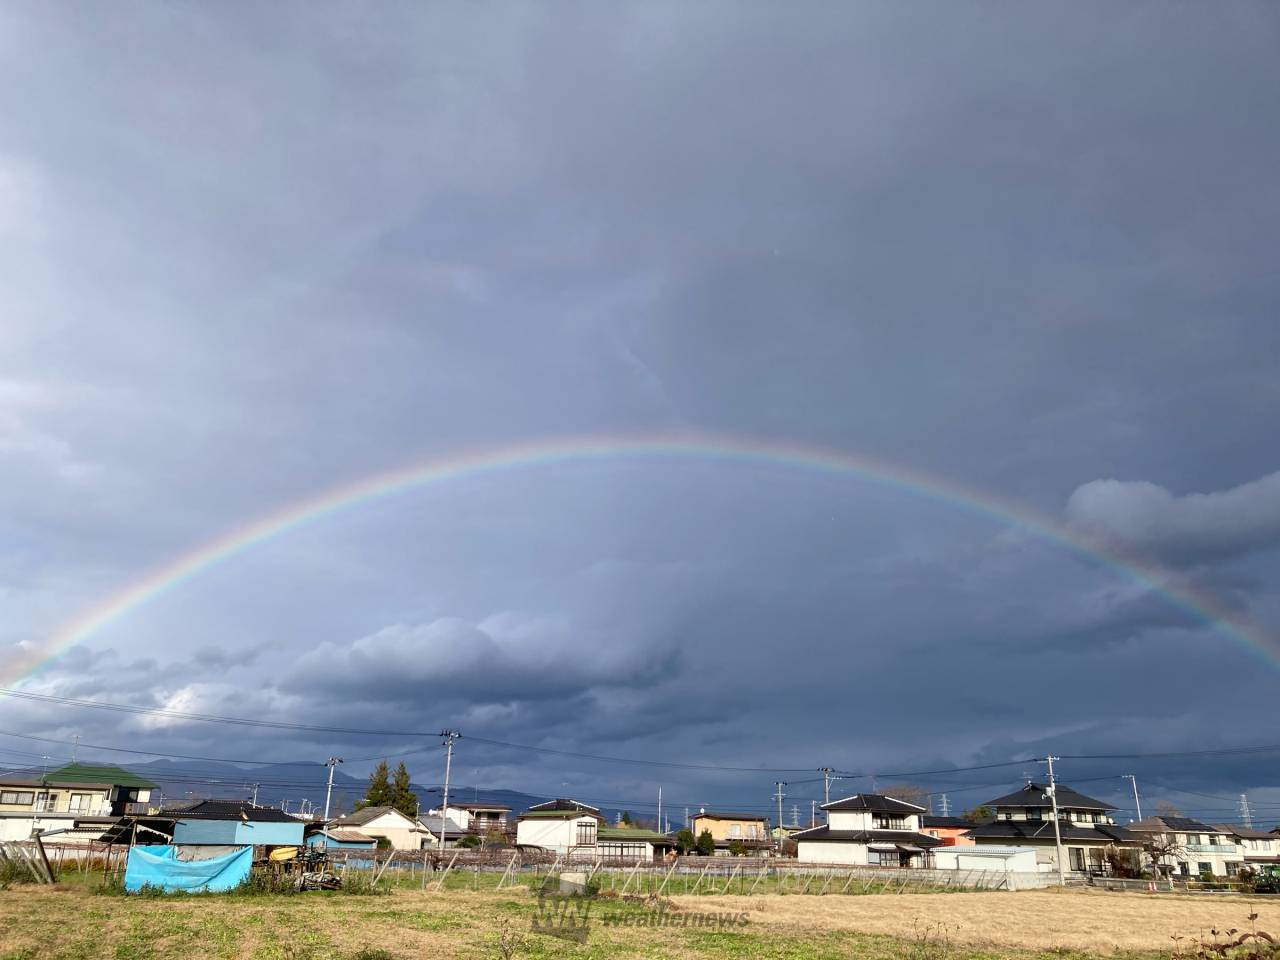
(979, 814)
(1160, 847)
(737, 848)
(1166, 809)
(379, 792)
(909, 793)
(706, 845)
(686, 843)
(469, 841)
(626, 818)
(402, 796)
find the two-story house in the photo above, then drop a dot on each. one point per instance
(1090, 837)
(392, 828)
(1192, 848)
(78, 800)
(868, 828)
(477, 818)
(565, 827)
(1258, 846)
(729, 830)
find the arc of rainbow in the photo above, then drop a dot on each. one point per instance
(582, 449)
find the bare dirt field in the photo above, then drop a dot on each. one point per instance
(1084, 920)
(70, 923)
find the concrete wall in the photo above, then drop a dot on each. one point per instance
(818, 851)
(552, 833)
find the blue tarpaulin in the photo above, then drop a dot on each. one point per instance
(159, 867)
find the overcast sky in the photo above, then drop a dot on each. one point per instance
(249, 253)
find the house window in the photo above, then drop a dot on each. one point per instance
(1033, 813)
(885, 822)
(753, 831)
(1203, 868)
(17, 797)
(80, 802)
(1233, 868)
(735, 830)
(1077, 858)
(587, 833)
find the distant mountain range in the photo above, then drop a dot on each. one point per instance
(300, 787)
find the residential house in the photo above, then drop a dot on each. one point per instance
(868, 828)
(1090, 837)
(1194, 849)
(728, 830)
(632, 844)
(1259, 847)
(563, 826)
(952, 831)
(339, 838)
(387, 823)
(78, 801)
(435, 826)
(478, 818)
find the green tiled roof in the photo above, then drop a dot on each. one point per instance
(87, 773)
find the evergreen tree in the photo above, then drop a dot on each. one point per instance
(402, 796)
(706, 844)
(379, 793)
(626, 818)
(686, 842)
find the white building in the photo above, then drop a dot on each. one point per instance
(870, 829)
(388, 823)
(1090, 837)
(1194, 849)
(987, 857)
(565, 827)
(480, 818)
(77, 801)
(1258, 847)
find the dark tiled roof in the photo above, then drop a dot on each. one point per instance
(1244, 833)
(563, 804)
(230, 810)
(478, 806)
(359, 818)
(1032, 795)
(874, 802)
(867, 836)
(1043, 830)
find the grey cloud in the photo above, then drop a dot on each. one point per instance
(1144, 517)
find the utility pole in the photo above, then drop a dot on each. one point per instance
(826, 784)
(779, 796)
(660, 810)
(255, 794)
(1137, 804)
(75, 749)
(813, 813)
(1246, 816)
(449, 737)
(1057, 828)
(331, 763)
(686, 818)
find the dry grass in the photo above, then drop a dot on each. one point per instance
(1085, 920)
(74, 924)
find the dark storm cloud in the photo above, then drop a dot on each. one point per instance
(250, 255)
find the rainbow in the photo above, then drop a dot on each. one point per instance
(568, 450)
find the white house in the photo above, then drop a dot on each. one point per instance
(1258, 847)
(868, 828)
(78, 801)
(476, 817)
(1090, 838)
(1194, 848)
(403, 833)
(565, 827)
(632, 843)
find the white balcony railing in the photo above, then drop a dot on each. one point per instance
(1226, 849)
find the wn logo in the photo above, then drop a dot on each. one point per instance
(566, 917)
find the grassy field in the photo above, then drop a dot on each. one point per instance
(75, 921)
